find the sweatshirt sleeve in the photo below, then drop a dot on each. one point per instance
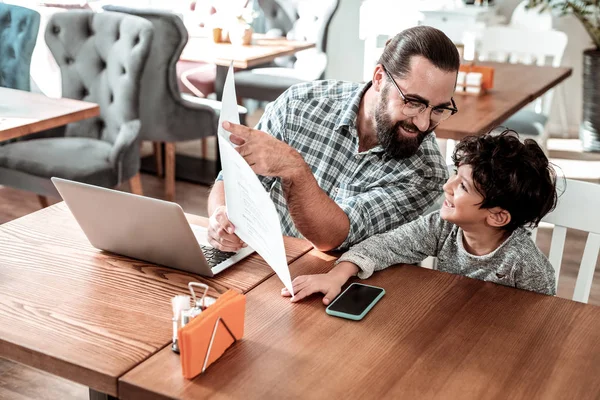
(537, 276)
(410, 243)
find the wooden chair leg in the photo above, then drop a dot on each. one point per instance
(135, 184)
(170, 171)
(158, 158)
(43, 201)
(204, 148)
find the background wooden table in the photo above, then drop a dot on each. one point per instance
(89, 315)
(515, 86)
(22, 113)
(261, 51)
(433, 335)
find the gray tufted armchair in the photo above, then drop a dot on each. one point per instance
(166, 114)
(18, 33)
(306, 20)
(101, 58)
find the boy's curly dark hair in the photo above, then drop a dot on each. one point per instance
(510, 174)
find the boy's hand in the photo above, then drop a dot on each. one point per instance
(330, 284)
(306, 285)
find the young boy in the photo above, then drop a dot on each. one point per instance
(500, 186)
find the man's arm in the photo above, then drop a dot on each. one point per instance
(221, 232)
(317, 217)
(216, 197)
(415, 187)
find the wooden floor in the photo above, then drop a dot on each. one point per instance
(19, 382)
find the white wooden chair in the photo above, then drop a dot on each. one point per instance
(577, 208)
(517, 45)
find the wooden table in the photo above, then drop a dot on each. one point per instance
(89, 315)
(22, 113)
(433, 335)
(261, 51)
(515, 86)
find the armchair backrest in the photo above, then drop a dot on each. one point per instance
(314, 18)
(277, 18)
(162, 108)
(18, 33)
(101, 58)
(309, 19)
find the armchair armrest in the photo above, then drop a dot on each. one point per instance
(214, 104)
(126, 149)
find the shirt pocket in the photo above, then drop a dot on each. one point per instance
(345, 191)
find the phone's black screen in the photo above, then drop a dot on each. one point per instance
(355, 300)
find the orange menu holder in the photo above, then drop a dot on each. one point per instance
(206, 337)
(483, 84)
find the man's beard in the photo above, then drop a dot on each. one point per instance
(396, 144)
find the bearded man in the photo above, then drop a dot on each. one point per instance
(344, 161)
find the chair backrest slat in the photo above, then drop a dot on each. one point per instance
(587, 268)
(557, 248)
(534, 234)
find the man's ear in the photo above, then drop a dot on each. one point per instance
(378, 77)
(498, 217)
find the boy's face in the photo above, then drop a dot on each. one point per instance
(461, 206)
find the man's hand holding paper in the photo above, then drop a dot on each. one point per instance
(221, 232)
(265, 154)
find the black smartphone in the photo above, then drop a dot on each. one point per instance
(355, 302)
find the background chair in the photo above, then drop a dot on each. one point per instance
(18, 33)
(573, 211)
(166, 114)
(310, 22)
(515, 45)
(531, 18)
(101, 58)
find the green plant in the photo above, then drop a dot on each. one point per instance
(586, 11)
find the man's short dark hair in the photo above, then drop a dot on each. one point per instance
(424, 41)
(513, 175)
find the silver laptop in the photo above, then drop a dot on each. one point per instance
(144, 228)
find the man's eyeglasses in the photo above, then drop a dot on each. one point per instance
(414, 107)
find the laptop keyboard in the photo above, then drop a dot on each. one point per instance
(214, 256)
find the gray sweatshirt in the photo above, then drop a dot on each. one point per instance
(517, 262)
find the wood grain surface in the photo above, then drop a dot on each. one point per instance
(22, 113)
(515, 86)
(89, 315)
(261, 51)
(433, 335)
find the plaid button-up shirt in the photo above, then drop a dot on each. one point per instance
(378, 193)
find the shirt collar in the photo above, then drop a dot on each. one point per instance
(348, 118)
